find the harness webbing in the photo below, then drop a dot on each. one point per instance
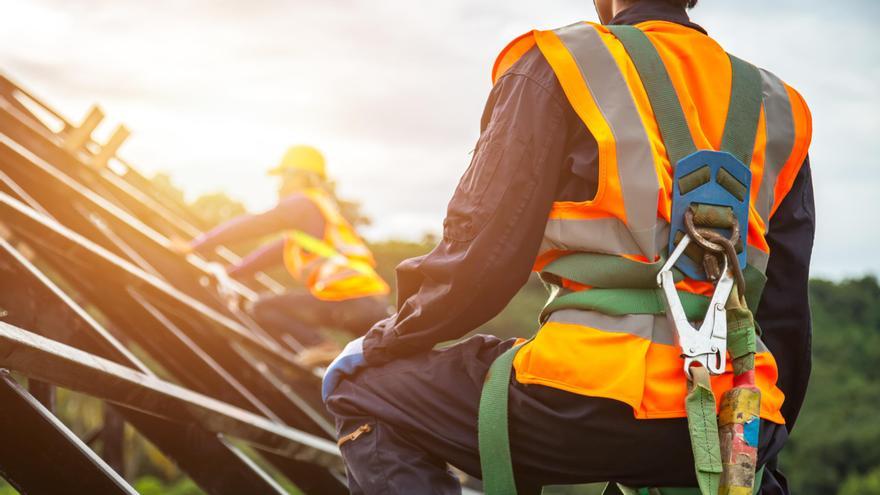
(661, 93)
(703, 428)
(744, 110)
(497, 467)
(617, 301)
(606, 270)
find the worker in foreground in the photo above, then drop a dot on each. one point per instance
(657, 185)
(319, 248)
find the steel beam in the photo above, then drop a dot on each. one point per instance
(95, 263)
(38, 454)
(23, 286)
(212, 462)
(47, 360)
(77, 249)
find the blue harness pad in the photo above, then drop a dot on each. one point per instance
(710, 192)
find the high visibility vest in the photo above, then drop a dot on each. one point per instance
(336, 267)
(633, 358)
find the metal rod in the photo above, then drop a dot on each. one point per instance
(39, 454)
(44, 359)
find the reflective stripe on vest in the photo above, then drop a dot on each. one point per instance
(634, 158)
(649, 327)
(780, 139)
(633, 358)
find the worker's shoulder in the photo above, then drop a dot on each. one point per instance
(299, 203)
(534, 68)
(771, 79)
(774, 88)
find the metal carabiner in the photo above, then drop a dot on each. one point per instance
(707, 345)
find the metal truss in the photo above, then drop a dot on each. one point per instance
(93, 300)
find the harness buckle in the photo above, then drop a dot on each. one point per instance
(707, 345)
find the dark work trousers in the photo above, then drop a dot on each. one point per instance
(423, 414)
(299, 313)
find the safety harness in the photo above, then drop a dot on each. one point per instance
(710, 205)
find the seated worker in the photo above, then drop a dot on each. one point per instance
(576, 176)
(319, 248)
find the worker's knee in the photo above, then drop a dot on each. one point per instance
(351, 398)
(377, 391)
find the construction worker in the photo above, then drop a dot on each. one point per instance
(576, 161)
(319, 248)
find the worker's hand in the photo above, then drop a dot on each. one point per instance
(179, 246)
(347, 363)
(224, 285)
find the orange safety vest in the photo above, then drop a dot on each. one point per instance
(338, 266)
(633, 358)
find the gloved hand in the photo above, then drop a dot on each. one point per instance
(347, 363)
(225, 285)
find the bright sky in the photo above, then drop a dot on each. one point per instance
(392, 91)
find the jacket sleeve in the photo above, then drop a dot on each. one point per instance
(493, 227)
(784, 311)
(293, 212)
(259, 259)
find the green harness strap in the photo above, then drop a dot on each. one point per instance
(495, 459)
(744, 107)
(623, 301)
(661, 93)
(607, 271)
(703, 429)
(744, 110)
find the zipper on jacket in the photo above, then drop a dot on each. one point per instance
(355, 434)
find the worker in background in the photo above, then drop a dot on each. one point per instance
(320, 250)
(571, 160)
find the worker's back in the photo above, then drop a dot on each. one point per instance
(570, 129)
(633, 357)
(337, 265)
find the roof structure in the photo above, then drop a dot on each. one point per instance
(93, 300)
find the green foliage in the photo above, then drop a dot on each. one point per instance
(6, 488)
(351, 211)
(836, 442)
(212, 208)
(593, 489)
(520, 317)
(165, 185)
(149, 485)
(216, 208)
(391, 253)
(867, 484)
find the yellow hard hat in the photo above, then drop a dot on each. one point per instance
(301, 158)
